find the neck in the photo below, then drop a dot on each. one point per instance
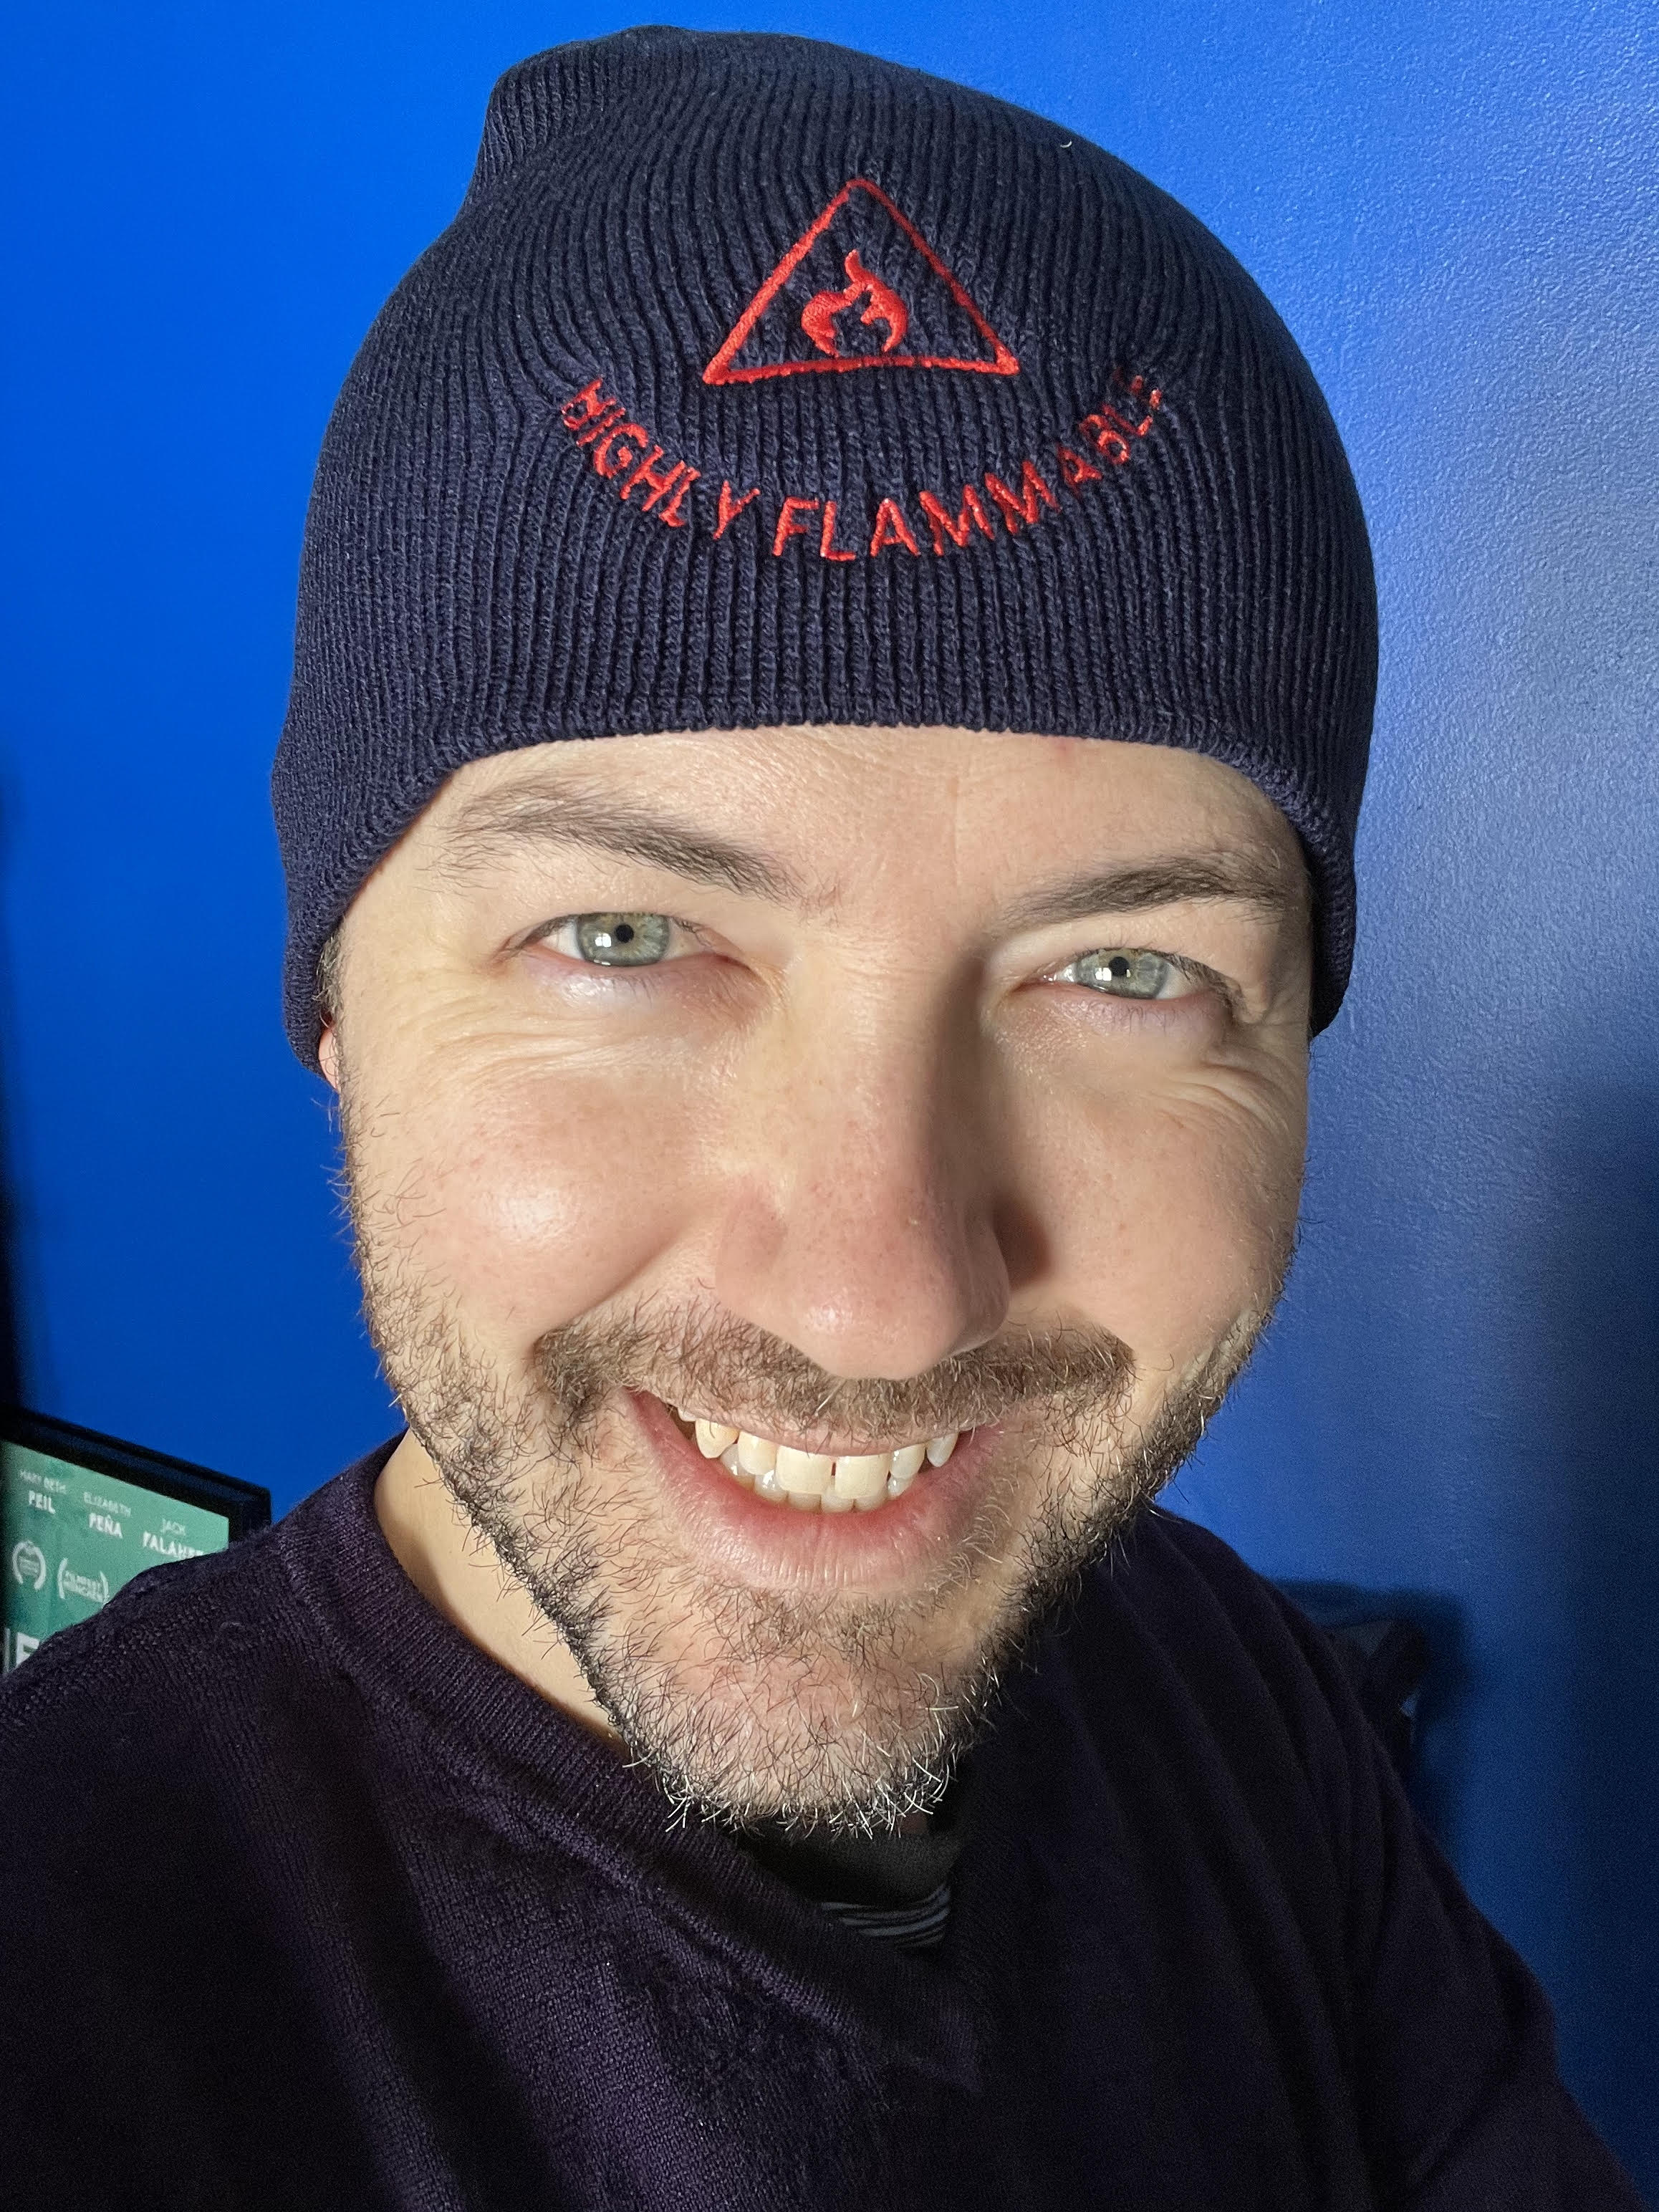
(461, 1576)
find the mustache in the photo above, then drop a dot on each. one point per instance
(703, 1357)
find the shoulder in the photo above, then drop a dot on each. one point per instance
(182, 1657)
(1232, 1681)
(156, 1636)
(1208, 1609)
(163, 1763)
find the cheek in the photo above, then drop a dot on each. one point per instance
(1171, 1214)
(560, 1190)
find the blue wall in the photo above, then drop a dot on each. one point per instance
(1454, 207)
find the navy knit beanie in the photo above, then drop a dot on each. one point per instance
(759, 382)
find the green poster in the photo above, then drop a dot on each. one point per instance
(70, 1538)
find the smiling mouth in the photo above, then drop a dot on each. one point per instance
(815, 1482)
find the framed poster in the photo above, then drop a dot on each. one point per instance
(81, 1514)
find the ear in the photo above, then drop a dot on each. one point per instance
(328, 1056)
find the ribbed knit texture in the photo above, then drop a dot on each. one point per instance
(531, 518)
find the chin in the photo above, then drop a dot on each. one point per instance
(748, 1705)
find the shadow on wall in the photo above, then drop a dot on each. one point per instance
(1593, 1287)
(1437, 1710)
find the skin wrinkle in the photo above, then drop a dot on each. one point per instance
(848, 1173)
(574, 816)
(583, 819)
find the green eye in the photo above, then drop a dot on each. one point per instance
(1125, 974)
(620, 940)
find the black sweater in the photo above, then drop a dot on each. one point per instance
(304, 1902)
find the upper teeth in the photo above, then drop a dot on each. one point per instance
(816, 1481)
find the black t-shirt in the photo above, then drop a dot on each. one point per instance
(304, 1902)
(894, 1885)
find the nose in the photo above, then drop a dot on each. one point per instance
(859, 1205)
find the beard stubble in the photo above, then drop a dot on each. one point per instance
(821, 1711)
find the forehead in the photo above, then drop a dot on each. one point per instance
(834, 804)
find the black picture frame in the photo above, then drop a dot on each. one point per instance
(245, 1506)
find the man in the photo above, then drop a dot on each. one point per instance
(817, 1158)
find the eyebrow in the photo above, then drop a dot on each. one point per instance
(1245, 878)
(599, 823)
(617, 825)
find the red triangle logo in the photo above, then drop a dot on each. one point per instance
(860, 288)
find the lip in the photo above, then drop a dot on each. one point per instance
(745, 1538)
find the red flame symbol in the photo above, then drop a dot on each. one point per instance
(817, 317)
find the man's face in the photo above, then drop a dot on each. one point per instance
(848, 1089)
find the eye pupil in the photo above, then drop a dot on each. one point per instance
(1118, 966)
(623, 933)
